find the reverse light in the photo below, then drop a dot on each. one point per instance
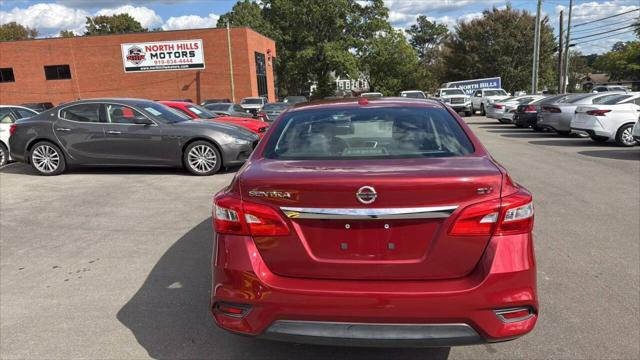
(512, 214)
(597, 112)
(234, 216)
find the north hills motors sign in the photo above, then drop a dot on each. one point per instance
(163, 56)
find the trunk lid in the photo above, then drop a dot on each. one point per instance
(402, 234)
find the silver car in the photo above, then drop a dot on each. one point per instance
(558, 115)
(504, 110)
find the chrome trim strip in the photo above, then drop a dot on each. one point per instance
(434, 212)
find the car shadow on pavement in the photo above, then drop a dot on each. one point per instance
(169, 315)
(576, 142)
(530, 135)
(25, 169)
(628, 154)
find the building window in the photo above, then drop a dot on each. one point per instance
(57, 72)
(261, 74)
(6, 75)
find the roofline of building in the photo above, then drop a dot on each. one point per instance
(133, 33)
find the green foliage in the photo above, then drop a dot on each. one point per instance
(500, 44)
(426, 36)
(114, 24)
(389, 63)
(13, 31)
(622, 62)
(66, 34)
(246, 13)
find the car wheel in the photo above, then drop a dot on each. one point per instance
(202, 158)
(4, 155)
(468, 113)
(597, 138)
(624, 137)
(482, 112)
(47, 159)
(473, 110)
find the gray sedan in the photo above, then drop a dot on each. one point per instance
(557, 116)
(126, 132)
(228, 109)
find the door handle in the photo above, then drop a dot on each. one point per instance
(114, 132)
(63, 129)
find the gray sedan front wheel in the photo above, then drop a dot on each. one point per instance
(202, 158)
(4, 155)
(624, 137)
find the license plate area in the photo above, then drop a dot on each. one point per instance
(367, 240)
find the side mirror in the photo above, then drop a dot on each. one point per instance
(141, 120)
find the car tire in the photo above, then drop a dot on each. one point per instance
(47, 159)
(599, 139)
(4, 155)
(468, 113)
(624, 136)
(482, 112)
(202, 158)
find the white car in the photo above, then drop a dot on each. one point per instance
(482, 98)
(504, 110)
(636, 131)
(253, 104)
(8, 115)
(609, 120)
(416, 94)
(456, 99)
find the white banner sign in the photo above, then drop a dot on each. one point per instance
(163, 56)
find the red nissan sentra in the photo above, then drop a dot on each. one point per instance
(378, 222)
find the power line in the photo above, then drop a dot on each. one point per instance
(606, 25)
(604, 32)
(604, 37)
(605, 18)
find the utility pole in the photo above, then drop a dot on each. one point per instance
(536, 52)
(565, 75)
(233, 88)
(560, 77)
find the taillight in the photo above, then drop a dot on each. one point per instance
(530, 109)
(234, 216)
(12, 129)
(497, 106)
(551, 109)
(511, 215)
(597, 112)
(261, 115)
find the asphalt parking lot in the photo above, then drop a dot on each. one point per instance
(104, 263)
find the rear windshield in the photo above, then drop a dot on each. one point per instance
(616, 99)
(373, 133)
(251, 101)
(415, 95)
(276, 106)
(200, 111)
(217, 106)
(495, 93)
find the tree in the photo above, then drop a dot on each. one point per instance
(389, 63)
(500, 43)
(66, 34)
(13, 31)
(426, 36)
(113, 24)
(246, 13)
(622, 62)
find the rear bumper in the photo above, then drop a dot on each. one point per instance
(525, 119)
(436, 310)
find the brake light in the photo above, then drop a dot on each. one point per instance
(234, 216)
(261, 115)
(551, 109)
(597, 112)
(497, 106)
(530, 109)
(12, 129)
(512, 215)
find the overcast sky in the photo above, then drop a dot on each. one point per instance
(49, 17)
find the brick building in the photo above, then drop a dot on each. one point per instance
(63, 69)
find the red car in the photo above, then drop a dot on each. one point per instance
(378, 222)
(198, 112)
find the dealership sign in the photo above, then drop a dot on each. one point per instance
(469, 86)
(163, 56)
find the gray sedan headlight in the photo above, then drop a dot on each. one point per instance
(241, 141)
